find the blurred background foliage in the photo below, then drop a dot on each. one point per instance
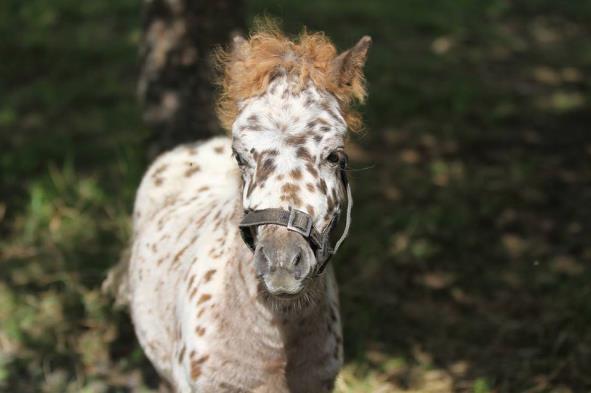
(468, 265)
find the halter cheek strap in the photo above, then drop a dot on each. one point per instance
(301, 222)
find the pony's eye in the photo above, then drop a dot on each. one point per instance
(338, 157)
(333, 157)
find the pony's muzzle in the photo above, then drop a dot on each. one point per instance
(283, 260)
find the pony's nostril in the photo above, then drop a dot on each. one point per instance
(297, 265)
(297, 259)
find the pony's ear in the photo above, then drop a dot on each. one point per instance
(347, 68)
(239, 47)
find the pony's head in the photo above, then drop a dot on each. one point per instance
(288, 106)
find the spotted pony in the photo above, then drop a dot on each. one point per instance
(223, 304)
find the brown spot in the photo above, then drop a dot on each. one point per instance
(159, 170)
(322, 186)
(281, 127)
(296, 174)
(296, 140)
(218, 149)
(317, 138)
(208, 275)
(330, 204)
(290, 190)
(195, 370)
(200, 331)
(158, 181)
(182, 232)
(182, 354)
(264, 171)
(205, 297)
(313, 171)
(192, 294)
(190, 171)
(170, 200)
(212, 253)
(201, 220)
(180, 253)
(202, 189)
(310, 187)
(270, 152)
(310, 210)
(191, 280)
(304, 154)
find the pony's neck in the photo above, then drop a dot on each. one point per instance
(264, 314)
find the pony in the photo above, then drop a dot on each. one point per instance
(230, 289)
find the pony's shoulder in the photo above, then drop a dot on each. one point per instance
(184, 172)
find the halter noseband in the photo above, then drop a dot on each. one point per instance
(298, 221)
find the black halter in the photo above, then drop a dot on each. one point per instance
(302, 223)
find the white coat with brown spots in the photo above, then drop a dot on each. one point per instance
(210, 315)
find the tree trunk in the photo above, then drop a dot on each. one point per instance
(176, 80)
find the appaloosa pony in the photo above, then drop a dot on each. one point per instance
(229, 286)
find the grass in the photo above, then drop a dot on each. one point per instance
(467, 268)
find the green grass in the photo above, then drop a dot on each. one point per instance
(467, 268)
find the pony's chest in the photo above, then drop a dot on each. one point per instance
(244, 357)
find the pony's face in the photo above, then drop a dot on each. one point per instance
(289, 145)
(288, 105)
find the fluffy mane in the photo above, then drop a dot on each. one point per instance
(247, 70)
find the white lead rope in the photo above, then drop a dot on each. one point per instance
(348, 222)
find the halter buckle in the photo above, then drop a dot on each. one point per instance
(299, 222)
